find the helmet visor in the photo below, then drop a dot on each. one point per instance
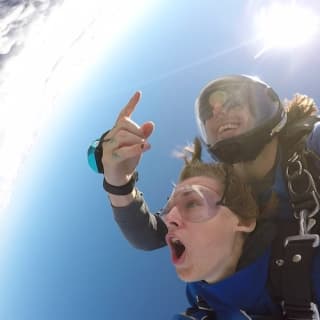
(229, 108)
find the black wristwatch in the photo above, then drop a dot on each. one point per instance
(121, 190)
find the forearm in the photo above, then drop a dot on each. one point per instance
(141, 228)
(122, 201)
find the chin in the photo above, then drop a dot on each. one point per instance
(228, 135)
(188, 276)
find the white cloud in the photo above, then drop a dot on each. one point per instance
(47, 46)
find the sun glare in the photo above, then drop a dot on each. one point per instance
(58, 53)
(285, 26)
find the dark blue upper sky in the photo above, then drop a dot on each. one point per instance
(63, 256)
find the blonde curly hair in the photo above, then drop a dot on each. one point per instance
(300, 106)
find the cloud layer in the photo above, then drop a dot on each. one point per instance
(16, 18)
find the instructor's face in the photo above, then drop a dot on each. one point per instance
(227, 120)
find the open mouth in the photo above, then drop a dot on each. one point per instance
(177, 250)
(227, 127)
(228, 130)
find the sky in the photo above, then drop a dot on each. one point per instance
(62, 255)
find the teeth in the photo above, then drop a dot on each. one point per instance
(175, 240)
(227, 126)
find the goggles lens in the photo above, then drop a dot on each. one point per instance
(195, 203)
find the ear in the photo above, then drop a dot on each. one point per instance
(246, 226)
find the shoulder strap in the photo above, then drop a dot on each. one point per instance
(294, 247)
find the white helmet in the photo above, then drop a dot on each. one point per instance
(232, 135)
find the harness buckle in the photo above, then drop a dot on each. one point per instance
(303, 231)
(308, 312)
(304, 237)
(297, 173)
(315, 311)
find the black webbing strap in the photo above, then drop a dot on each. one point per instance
(296, 279)
(290, 273)
(294, 248)
(297, 270)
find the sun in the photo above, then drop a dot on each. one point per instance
(285, 26)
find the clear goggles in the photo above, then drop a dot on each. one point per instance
(256, 99)
(195, 203)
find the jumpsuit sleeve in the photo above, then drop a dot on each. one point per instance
(143, 229)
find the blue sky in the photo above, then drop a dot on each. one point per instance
(63, 256)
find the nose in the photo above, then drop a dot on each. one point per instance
(217, 109)
(173, 219)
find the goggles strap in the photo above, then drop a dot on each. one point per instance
(98, 153)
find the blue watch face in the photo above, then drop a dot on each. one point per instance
(91, 156)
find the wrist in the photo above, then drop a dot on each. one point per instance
(122, 190)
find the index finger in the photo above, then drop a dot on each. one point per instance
(130, 106)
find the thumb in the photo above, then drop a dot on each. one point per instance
(147, 129)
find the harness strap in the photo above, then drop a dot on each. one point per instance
(290, 273)
(201, 310)
(296, 281)
(294, 247)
